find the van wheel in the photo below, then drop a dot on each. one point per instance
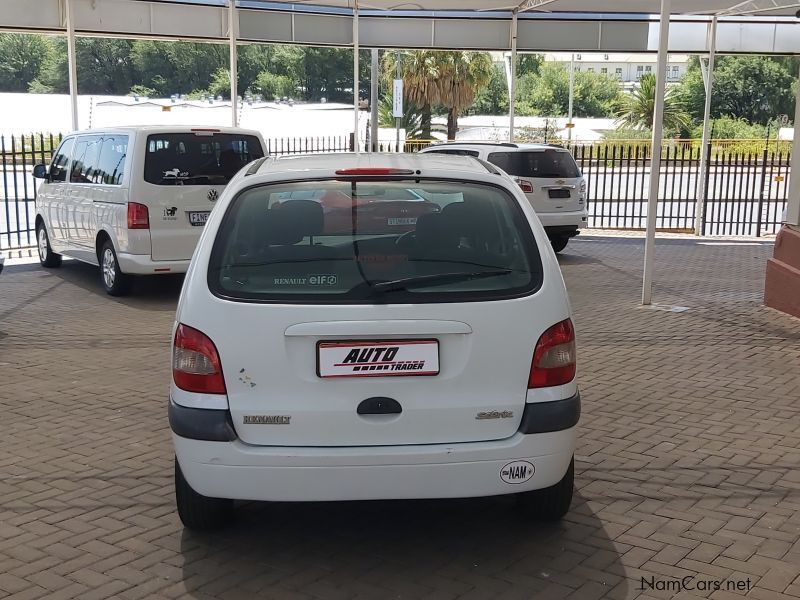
(550, 504)
(198, 512)
(115, 282)
(47, 258)
(559, 243)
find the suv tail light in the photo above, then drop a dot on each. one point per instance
(138, 217)
(195, 362)
(526, 186)
(554, 357)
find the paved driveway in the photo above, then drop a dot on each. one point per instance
(688, 465)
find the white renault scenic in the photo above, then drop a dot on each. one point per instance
(372, 327)
(133, 200)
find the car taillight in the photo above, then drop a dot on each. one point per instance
(195, 362)
(554, 357)
(138, 217)
(525, 186)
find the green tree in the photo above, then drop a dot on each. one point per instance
(462, 76)
(271, 86)
(547, 94)
(22, 57)
(636, 109)
(177, 67)
(104, 66)
(410, 121)
(220, 84)
(431, 78)
(754, 88)
(493, 99)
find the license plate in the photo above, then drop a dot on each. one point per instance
(559, 193)
(402, 221)
(199, 218)
(390, 358)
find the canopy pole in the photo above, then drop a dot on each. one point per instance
(72, 65)
(356, 82)
(234, 65)
(571, 95)
(793, 204)
(512, 84)
(655, 157)
(709, 81)
(373, 101)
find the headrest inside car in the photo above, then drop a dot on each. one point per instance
(290, 222)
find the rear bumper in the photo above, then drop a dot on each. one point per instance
(576, 219)
(142, 264)
(233, 469)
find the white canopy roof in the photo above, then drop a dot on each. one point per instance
(767, 8)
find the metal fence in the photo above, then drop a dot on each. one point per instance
(746, 182)
(746, 188)
(18, 154)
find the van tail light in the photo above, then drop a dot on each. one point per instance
(195, 362)
(138, 217)
(525, 186)
(554, 357)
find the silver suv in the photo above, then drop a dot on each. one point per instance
(547, 174)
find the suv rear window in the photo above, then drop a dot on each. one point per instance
(367, 242)
(537, 163)
(198, 158)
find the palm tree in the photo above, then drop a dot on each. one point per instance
(438, 78)
(463, 75)
(636, 109)
(410, 121)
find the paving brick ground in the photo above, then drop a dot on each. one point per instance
(688, 463)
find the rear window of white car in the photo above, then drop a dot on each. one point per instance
(551, 164)
(198, 158)
(369, 242)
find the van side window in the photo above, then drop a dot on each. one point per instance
(59, 167)
(111, 164)
(85, 159)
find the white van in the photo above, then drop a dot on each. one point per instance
(134, 199)
(549, 176)
(360, 327)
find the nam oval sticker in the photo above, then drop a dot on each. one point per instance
(518, 471)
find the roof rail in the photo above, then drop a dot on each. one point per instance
(255, 165)
(456, 143)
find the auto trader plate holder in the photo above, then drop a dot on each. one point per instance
(389, 358)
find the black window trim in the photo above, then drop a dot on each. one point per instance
(68, 169)
(518, 215)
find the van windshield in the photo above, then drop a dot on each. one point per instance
(551, 164)
(205, 158)
(372, 242)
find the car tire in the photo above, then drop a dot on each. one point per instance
(47, 258)
(559, 243)
(198, 512)
(115, 282)
(552, 503)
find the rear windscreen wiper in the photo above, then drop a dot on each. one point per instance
(436, 279)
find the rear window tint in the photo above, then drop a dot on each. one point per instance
(368, 242)
(198, 159)
(537, 163)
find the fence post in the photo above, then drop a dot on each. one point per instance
(706, 181)
(761, 193)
